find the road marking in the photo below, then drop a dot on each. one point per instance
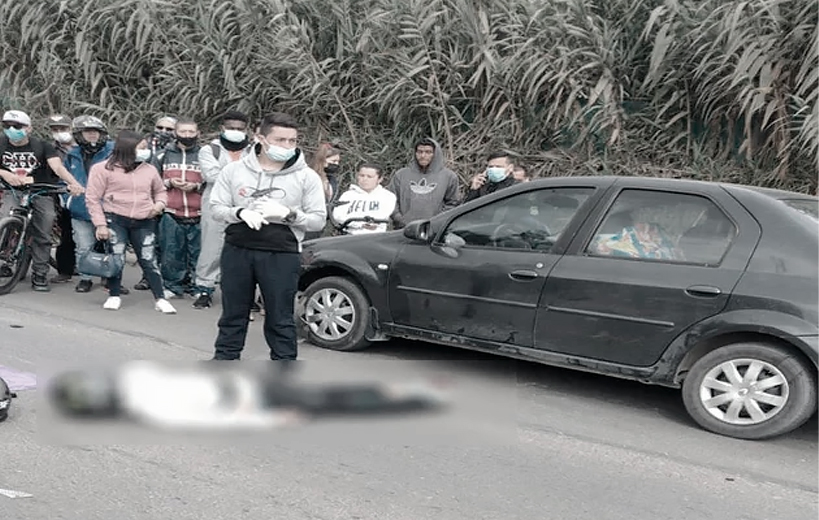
(18, 380)
(14, 494)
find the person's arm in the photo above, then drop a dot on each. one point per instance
(452, 196)
(97, 185)
(312, 215)
(222, 202)
(395, 187)
(340, 212)
(210, 166)
(57, 167)
(159, 194)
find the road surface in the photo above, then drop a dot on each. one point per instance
(558, 444)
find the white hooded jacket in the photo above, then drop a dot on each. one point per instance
(378, 204)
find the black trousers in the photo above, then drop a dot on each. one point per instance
(65, 256)
(277, 275)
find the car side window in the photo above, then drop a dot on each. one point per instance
(664, 226)
(534, 220)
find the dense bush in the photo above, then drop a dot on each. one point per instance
(711, 89)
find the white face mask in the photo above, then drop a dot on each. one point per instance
(62, 137)
(234, 136)
(143, 155)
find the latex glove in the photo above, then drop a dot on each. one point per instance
(253, 219)
(273, 211)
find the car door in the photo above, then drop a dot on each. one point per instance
(652, 263)
(483, 274)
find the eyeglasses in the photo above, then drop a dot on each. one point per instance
(18, 126)
(165, 128)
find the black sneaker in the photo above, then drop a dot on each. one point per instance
(204, 301)
(6, 271)
(84, 286)
(142, 285)
(40, 283)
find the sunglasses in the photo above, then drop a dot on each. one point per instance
(165, 128)
(18, 126)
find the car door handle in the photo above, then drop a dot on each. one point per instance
(708, 291)
(523, 275)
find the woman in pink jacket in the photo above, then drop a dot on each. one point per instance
(123, 195)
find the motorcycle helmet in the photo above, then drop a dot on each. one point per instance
(84, 394)
(6, 395)
(81, 123)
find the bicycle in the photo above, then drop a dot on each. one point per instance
(15, 237)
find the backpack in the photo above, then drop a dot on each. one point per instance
(216, 150)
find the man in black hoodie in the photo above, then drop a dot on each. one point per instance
(426, 187)
(498, 175)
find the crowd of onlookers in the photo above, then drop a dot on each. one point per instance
(152, 193)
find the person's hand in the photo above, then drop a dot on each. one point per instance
(102, 233)
(273, 210)
(157, 209)
(177, 183)
(188, 186)
(76, 189)
(253, 219)
(478, 181)
(15, 180)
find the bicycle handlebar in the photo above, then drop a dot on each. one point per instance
(38, 186)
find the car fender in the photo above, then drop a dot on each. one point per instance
(319, 264)
(785, 327)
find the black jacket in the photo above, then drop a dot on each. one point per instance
(489, 187)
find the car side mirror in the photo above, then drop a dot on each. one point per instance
(418, 230)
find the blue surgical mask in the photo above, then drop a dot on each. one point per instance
(15, 134)
(496, 174)
(143, 155)
(234, 136)
(280, 154)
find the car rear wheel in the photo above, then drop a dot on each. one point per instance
(335, 313)
(750, 391)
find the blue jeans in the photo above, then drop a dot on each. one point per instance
(84, 240)
(181, 243)
(277, 275)
(141, 234)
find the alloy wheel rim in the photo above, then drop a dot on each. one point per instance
(330, 314)
(744, 392)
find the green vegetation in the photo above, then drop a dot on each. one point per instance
(710, 89)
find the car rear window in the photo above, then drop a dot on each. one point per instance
(805, 206)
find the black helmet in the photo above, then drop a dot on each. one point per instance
(6, 395)
(81, 123)
(84, 394)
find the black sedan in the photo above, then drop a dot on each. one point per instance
(707, 287)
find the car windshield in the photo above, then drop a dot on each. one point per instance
(807, 207)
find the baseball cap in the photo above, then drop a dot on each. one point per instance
(16, 116)
(59, 120)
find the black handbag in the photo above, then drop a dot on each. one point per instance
(101, 261)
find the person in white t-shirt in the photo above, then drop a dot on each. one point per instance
(366, 198)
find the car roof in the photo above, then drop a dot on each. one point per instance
(663, 182)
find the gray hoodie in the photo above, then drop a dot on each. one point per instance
(422, 195)
(296, 186)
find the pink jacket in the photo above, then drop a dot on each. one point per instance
(131, 195)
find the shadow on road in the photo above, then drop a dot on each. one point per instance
(662, 401)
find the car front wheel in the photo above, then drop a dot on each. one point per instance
(335, 312)
(750, 391)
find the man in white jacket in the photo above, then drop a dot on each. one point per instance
(366, 198)
(232, 145)
(268, 200)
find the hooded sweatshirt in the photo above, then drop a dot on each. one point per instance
(128, 194)
(422, 194)
(378, 204)
(184, 165)
(296, 186)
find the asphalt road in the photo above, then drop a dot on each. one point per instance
(551, 444)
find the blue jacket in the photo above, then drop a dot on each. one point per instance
(74, 163)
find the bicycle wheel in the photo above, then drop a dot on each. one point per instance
(15, 255)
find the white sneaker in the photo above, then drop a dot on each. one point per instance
(164, 306)
(112, 303)
(169, 295)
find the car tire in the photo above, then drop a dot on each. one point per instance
(750, 391)
(352, 307)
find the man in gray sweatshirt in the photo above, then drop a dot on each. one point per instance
(268, 199)
(426, 187)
